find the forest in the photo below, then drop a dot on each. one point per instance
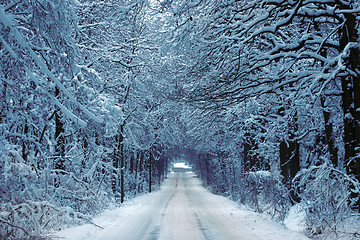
(99, 98)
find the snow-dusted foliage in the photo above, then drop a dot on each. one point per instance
(277, 83)
(80, 125)
(41, 185)
(264, 192)
(325, 194)
(261, 96)
(30, 204)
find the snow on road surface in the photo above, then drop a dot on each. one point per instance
(182, 209)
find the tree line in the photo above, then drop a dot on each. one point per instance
(81, 119)
(276, 86)
(97, 98)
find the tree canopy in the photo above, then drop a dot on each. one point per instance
(99, 97)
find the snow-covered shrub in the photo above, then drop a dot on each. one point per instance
(326, 193)
(84, 183)
(20, 218)
(218, 182)
(30, 205)
(130, 184)
(31, 219)
(264, 192)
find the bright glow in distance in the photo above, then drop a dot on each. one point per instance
(180, 165)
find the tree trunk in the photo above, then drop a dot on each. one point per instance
(60, 142)
(289, 163)
(24, 147)
(206, 163)
(137, 158)
(351, 98)
(251, 162)
(166, 168)
(150, 161)
(330, 138)
(329, 130)
(159, 169)
(115, 172)
(122, 163)
(247, 157)
(141, 162)
(290, 157)
(203, 168)
(131, 163)
(3, 106)
(85, 145)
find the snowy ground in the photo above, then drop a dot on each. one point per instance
(182, 209)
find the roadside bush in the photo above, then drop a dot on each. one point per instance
(30, 205)
(326, 193)
(264, 193)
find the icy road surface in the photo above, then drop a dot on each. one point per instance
(182, 209)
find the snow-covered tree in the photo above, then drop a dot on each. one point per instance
(295, 63)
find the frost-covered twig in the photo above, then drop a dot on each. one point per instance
(89, 221)
(14, 226)
(34, 78)
(7, 22)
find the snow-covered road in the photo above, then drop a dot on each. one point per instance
(182, 209)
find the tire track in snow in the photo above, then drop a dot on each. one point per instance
(179, 221)
(154, 234)
(200, 225)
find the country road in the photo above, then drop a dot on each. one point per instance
(183, 209)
